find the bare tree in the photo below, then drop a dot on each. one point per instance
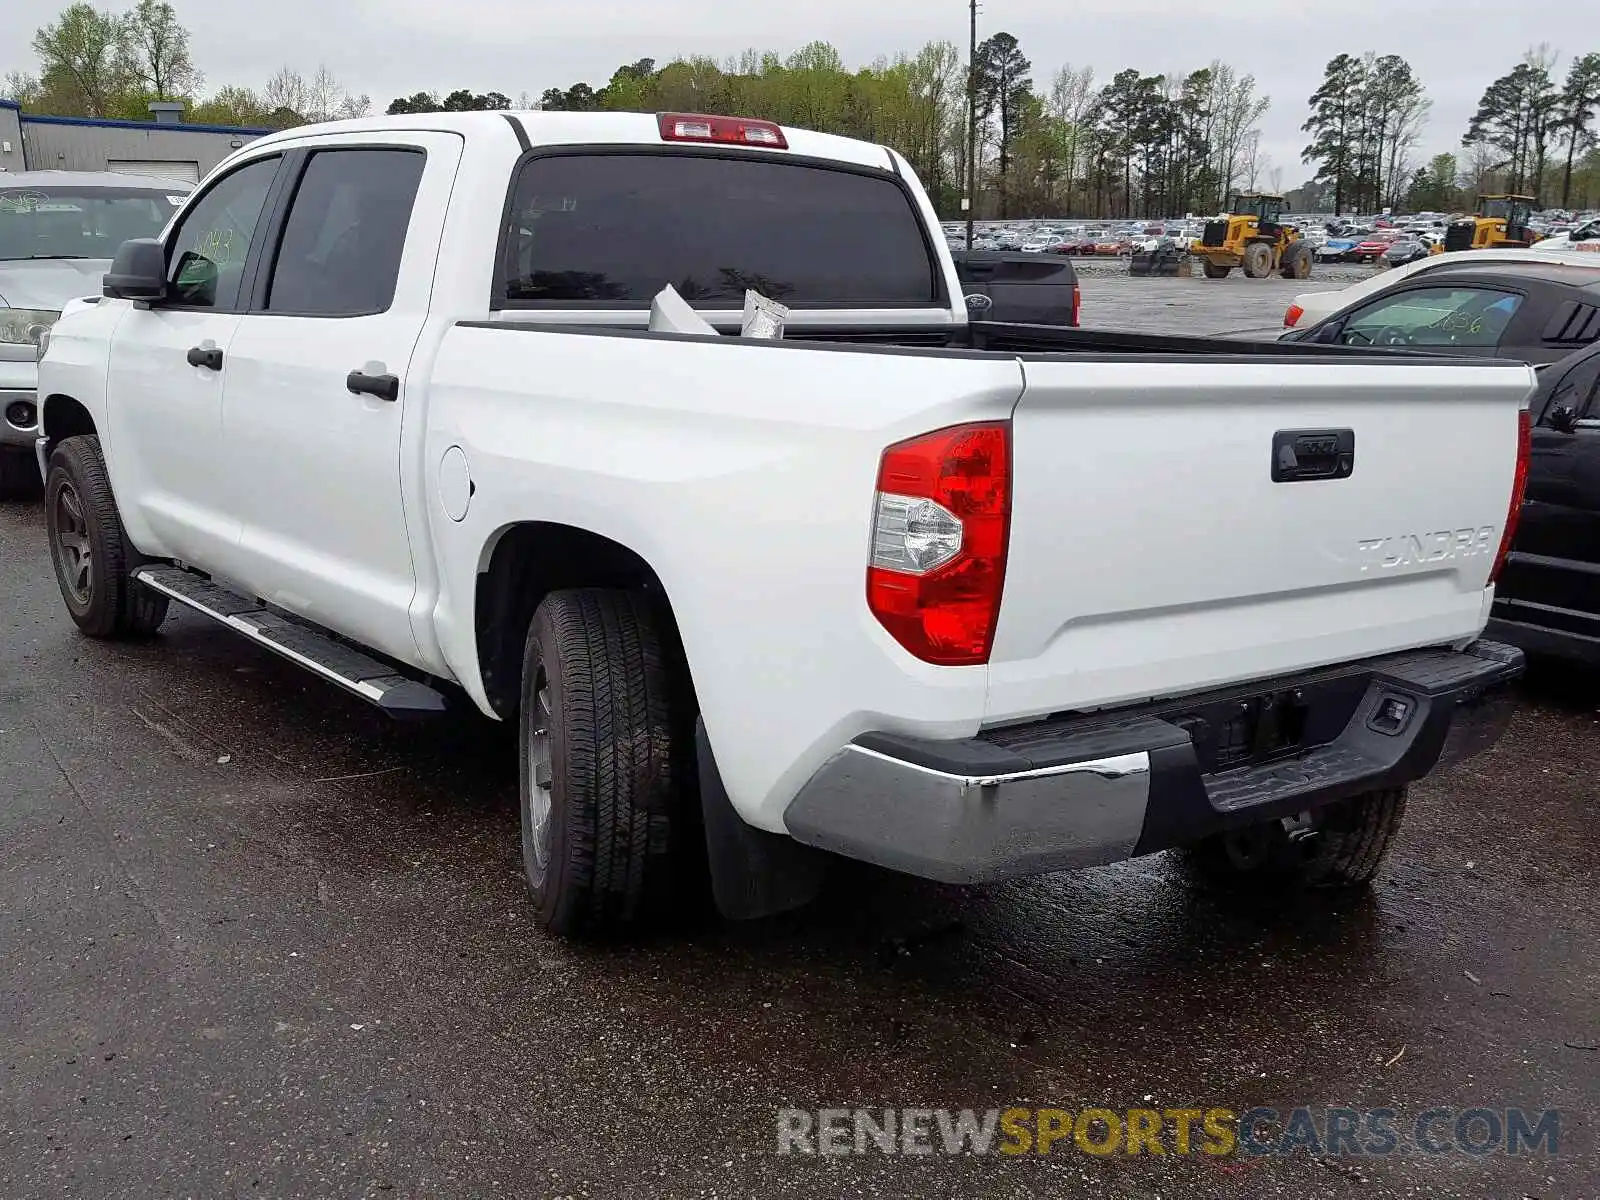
(1480, 164)
(20, 87)
(1250, 160)
(1072, 101)
(1238, 111)
(287, 90)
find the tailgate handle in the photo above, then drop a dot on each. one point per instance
(1301, 454)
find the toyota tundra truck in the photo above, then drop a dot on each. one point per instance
(969, 600)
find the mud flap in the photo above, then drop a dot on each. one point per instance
(753, 873)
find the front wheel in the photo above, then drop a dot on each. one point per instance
(93, 559)
(1339, 846)
(606, 759)
(1212, 270)
(1258, 260)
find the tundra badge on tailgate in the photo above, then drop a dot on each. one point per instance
(1413, 549)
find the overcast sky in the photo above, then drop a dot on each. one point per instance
(393, 47)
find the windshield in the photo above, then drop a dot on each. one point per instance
(79, 222)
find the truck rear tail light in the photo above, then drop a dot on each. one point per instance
(727, 131)
(940, 526)
(1077, 303)
(1519, 486)
(1292, 315)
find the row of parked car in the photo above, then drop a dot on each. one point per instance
(1089, 241)
(1382, 240)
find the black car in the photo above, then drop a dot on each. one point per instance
(1548, 597)
(1035, 289)
(1538, 312)
(1404, 252)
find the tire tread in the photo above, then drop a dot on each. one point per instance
(128, 609)
(619, 763)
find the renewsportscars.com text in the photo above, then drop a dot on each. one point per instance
(1217, 1132)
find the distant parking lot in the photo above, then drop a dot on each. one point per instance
(1113, 299)
(258, 942)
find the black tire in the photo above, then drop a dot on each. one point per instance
(79, 511)
(1212, 270)
(603, 684)
(1297, 261)
(19, 475)
(1258, 260)
(1339, 846)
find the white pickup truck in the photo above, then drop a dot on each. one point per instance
(966, 600)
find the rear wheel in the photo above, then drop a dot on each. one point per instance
(606, 759)
(19, 475)
(1339, 846)
(1258, 260)
(94, 562)
(1212, 270)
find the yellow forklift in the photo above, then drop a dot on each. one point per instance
(1251, 236)
(1501, 220)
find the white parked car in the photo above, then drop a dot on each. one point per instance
(872, 589)
(1309, 308)
(58, 231)
(1585, 239)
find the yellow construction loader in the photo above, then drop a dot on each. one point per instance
(1501, 220)
(1252, 237)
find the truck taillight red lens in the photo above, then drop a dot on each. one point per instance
(939, 532)
(1292, 315)
(1519, 486)
(727, 131)
(1077, 303)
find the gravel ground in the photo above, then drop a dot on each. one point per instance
(258, 942)
(1190, 303)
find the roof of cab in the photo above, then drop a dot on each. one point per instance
(585, 128)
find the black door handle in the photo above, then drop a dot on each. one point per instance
(384, 387)
(210, 359)
(1300, 454)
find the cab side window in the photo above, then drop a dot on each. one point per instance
(345, 234)
(206, 256)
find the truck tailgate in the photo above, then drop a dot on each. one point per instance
(1152, 552)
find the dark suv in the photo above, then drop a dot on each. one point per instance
(1548, 597)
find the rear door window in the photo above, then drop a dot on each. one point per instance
(611, 230)
(341, 246)
(1437, 316)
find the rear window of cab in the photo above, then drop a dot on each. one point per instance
(610, 230)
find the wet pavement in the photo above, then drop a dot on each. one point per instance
(258, 942)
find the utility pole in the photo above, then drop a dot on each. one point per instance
(971, 201)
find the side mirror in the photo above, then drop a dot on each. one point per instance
(1563, 419)
(138, 272)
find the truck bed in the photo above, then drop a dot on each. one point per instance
(1017, 339)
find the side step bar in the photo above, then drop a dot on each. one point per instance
(301, 643)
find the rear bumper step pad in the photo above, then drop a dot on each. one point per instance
(1081, 790)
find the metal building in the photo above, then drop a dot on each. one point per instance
(165, 147)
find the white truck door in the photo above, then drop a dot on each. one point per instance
(314, 401)
(168, 366)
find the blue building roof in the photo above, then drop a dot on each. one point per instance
(108, 123)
